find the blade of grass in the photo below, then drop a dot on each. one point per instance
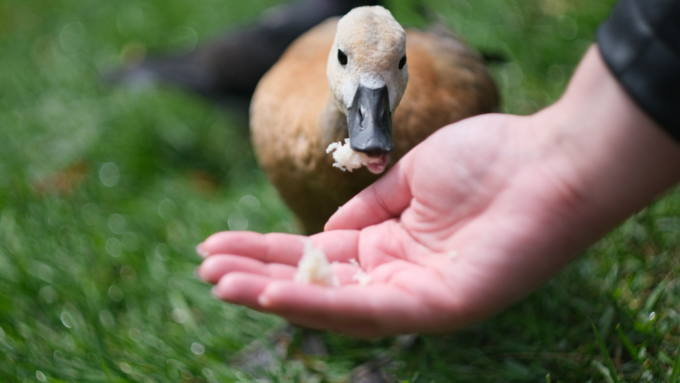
(604, 371)
(655, 295)
(664, 358)
(632, 350)
(605, 356)
(106, 370)
(676, 367)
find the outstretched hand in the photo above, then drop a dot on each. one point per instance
(468, 222)
(455, 231)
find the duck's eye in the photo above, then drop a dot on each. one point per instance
(342, 57)
(402, 62)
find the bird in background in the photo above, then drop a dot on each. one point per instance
(227, 69)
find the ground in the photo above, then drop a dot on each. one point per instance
(105, 191)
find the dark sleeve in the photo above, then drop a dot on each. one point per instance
(640, 43)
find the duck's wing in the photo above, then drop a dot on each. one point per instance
(230, 67)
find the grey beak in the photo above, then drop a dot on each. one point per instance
(370, 122)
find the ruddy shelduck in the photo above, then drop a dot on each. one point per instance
(364, 78)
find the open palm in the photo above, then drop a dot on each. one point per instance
(461, 227)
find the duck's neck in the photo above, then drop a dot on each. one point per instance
(333, 124)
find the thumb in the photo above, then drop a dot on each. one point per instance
(385, 199)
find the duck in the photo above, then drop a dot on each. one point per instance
(365, 79)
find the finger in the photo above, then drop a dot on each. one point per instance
(386, 198)
(241, 288)
(285, 249)
(318, 307)
(254, 245)
(244, 289)
(217, 266)
(359, 327)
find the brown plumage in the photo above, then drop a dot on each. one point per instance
(294, 119)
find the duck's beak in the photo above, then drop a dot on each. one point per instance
(370, 124)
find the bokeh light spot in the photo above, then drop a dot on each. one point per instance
(109, 174)
(197, 348)
(115, 293)
(238, 222)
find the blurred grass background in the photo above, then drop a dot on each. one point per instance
(105, 191)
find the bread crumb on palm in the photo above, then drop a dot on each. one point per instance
(360, 276)
(346, 158)
(314, 269)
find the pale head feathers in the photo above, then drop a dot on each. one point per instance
(374, 43)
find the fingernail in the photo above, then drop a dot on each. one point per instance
(263, 300)
(201, 251)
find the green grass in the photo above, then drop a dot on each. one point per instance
(104, 192)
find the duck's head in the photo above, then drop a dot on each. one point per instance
(367, 74)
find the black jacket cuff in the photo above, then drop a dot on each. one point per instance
(640, 44)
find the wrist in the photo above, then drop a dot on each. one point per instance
(613, 157)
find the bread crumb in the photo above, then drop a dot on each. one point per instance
(314, 269)
(360, 276)
(346, 158)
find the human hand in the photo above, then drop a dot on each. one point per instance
(468, 222)
(455, 231)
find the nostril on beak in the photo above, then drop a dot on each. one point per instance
(385, 118)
